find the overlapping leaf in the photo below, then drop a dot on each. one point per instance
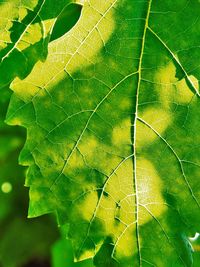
(25, 30)
(113, 131)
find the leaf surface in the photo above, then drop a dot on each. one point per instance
(21, 241)
(25, 30)
(62, 253)
(113, 132)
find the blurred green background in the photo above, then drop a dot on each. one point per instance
(25, 242)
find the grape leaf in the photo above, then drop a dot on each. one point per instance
(195, 244)
(21, 241)
(113, 132)
(62, 252)
(25, 30)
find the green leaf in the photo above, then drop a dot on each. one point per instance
(113, 132)
(196, 247)
(21, 240)
(62, 253)
(63, 24)
(25, 30)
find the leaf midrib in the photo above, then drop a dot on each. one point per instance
(135, 132)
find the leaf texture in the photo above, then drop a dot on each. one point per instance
(113, 131)
(28, 235)
(25, 29)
